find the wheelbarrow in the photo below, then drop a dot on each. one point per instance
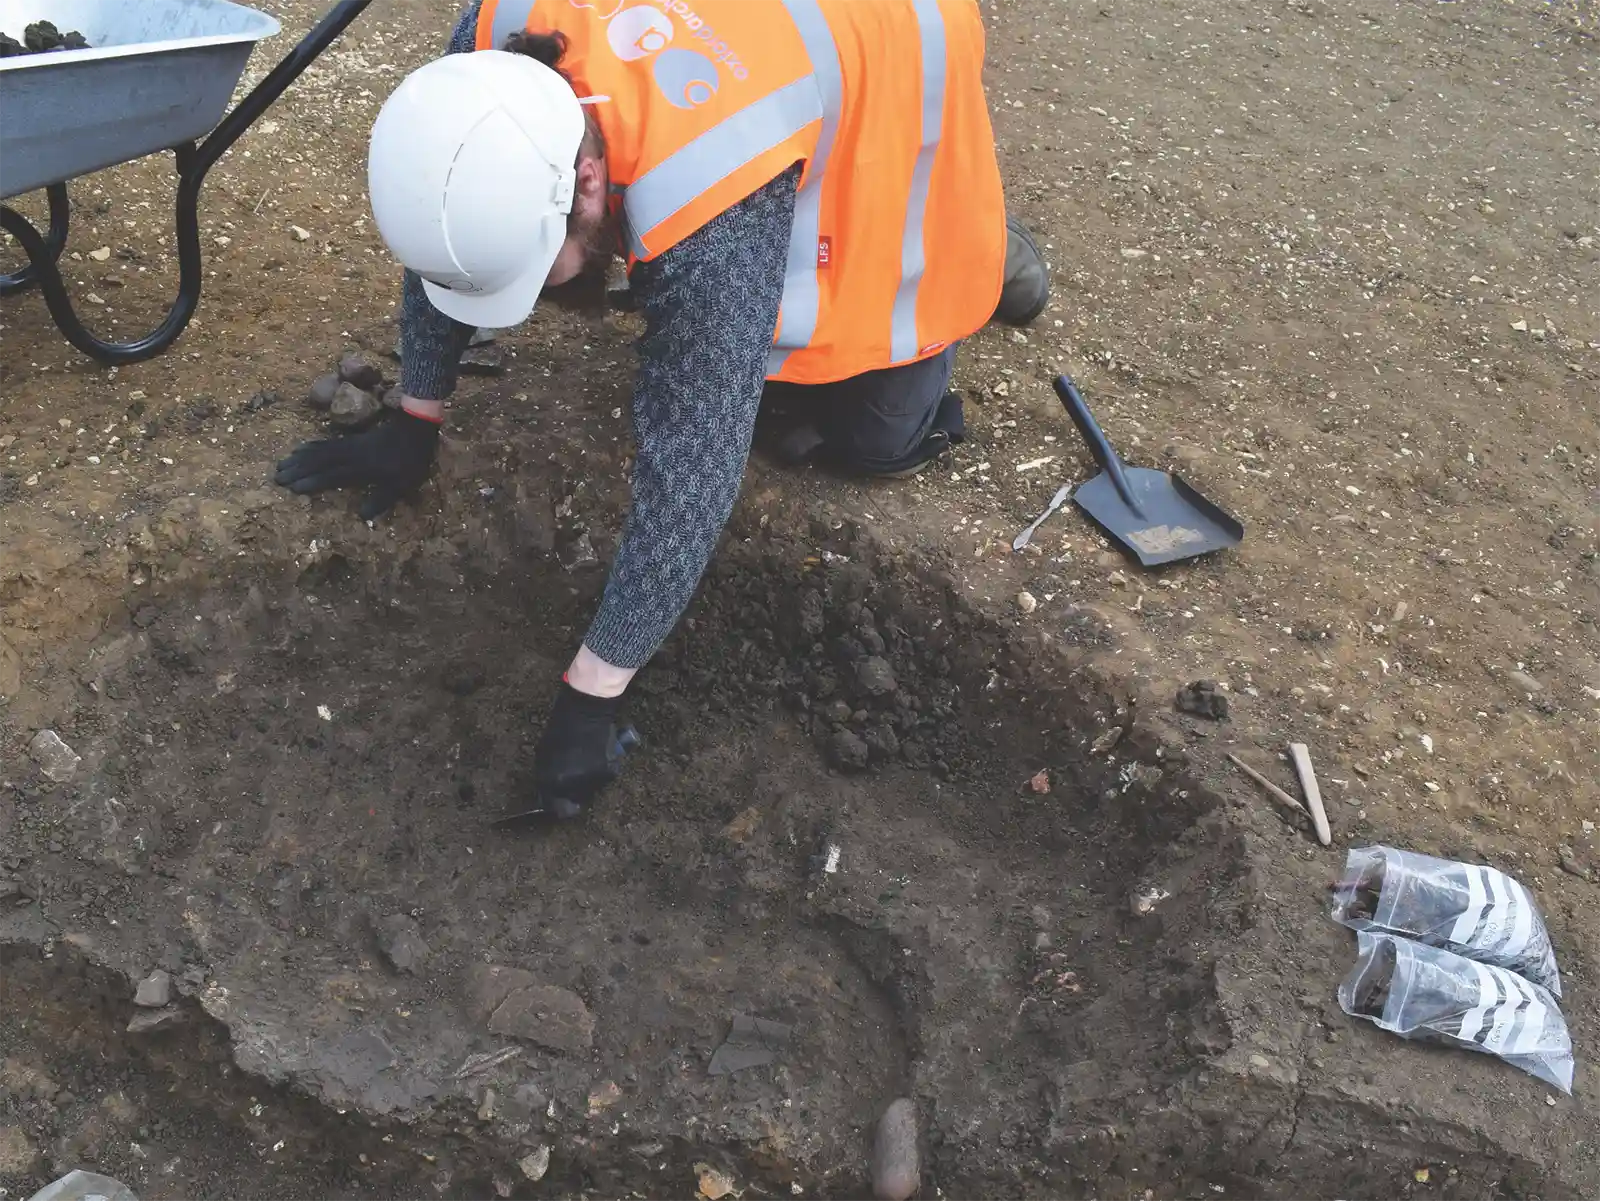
(157, 76)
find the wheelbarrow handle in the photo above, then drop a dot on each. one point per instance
(1078, 409)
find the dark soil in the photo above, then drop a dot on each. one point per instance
(975, 947)
(41, 37)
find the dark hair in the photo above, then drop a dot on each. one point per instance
(547, 48)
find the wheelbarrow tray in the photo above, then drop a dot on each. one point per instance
(157, 73)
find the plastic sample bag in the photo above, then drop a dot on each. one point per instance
(84, 1186)
(1475, 911)
(1434, 995)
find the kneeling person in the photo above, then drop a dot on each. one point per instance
(808, 199)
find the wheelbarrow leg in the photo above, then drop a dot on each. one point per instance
(193, 161)
(55, 241)
(43, 265)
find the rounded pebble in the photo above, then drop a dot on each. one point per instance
(896, 1170)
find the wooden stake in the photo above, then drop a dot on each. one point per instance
(1301, 754)
(1272, 790)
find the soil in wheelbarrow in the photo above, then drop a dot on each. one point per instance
(41, 37)
(955, 871)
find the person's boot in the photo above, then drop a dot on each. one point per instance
(1027, 284)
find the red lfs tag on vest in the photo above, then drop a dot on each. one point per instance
(824, 252)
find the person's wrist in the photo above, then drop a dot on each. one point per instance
(427, 410)
(593, 676)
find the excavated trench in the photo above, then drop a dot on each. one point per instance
(285, 805)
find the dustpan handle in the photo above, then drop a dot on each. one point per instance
(1078, 409)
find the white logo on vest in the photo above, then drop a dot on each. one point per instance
(687, 78)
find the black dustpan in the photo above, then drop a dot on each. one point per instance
(1153, 514)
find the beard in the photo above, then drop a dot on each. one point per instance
(585, 292)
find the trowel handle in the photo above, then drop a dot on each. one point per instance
(1078, 409)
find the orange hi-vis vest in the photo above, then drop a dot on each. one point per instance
(898, 245)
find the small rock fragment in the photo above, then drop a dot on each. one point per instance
(1572, 865)
(536, 1163)
(1133, 252)
(57, 760)
(322, 390)
(1108, 739)
(154, 991)
(1523, 682)
(150, 1019)
(1143, 901)
(100, 255)
(486, 359)
(896, 1168)
(511, 1001)
(603, 1096)
(1203, 699)
(352, 408)
(1260, 1062)
(1027, 602)
(1040, 783)
(710, 1183)
(875, 675)
(393, 396)
(300, 234)
(848, 752)
(357, 369)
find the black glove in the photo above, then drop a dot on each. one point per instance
(580, 752)
(394, 458)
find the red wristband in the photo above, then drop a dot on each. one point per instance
(410, 412)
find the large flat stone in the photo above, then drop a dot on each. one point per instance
(510, 1001)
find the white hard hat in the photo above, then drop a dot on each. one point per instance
(471, 175)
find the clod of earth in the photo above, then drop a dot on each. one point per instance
(18, 1157)
(401, 942)
(511, 1001)
(1202, 698)
(57, 760)
(896, 1166)
(848, 752)
(357, 369)
(41, 37)
(875, 676)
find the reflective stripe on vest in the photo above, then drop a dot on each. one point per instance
(802, 290)
(715, 155)
(903, 345)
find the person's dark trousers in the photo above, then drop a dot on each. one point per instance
(883, 423)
